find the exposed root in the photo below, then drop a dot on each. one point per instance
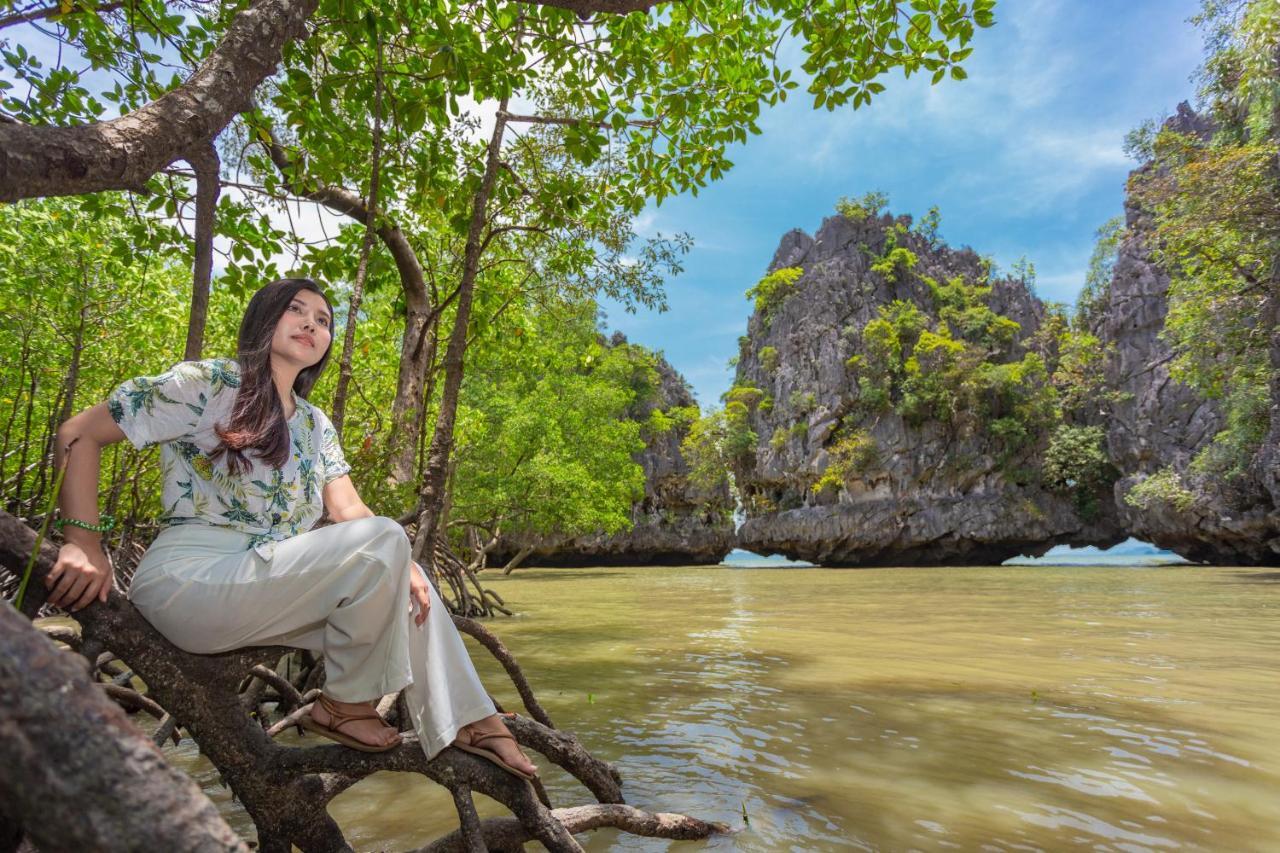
(508, 661)
(132, 700)
(468, 820)
(506, 832)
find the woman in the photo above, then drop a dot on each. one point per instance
(246, 463)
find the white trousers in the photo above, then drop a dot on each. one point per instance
(342, 590)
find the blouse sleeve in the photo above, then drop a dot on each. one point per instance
(153, 409)
(333, 463)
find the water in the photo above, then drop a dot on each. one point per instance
(1001, 708)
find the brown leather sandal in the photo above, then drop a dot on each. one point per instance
(339, 718)
(470, 746)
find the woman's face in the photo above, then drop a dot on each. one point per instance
(303, 333)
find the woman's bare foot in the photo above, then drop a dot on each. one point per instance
(505, 747)
(373, 731)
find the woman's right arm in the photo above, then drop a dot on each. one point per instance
(82, 572)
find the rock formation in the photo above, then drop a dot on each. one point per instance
(1163, 423)
(924, 492)
(675, 523)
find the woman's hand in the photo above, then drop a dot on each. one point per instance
(78, 577)
(418, 592)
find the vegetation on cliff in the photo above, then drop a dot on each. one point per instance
(1211, 187)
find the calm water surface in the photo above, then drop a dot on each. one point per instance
(1002, 708)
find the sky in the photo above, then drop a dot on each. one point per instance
(1023, 158)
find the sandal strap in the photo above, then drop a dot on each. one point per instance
(339, 718)
(477, 738)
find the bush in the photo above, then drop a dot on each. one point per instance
(769, 359)
(803, 403)
(850, 455)
(895, 263)
(1076, 462)
(772, 290)
(1164, 486)
(863, 208)
(746, 395)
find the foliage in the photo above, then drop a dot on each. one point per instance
(802, 402)
(545, 443)
(676, 418)
(1248, 418)
(1080, 376)
(746, 396)
(928, 227)
(868, 206)
(1164, 486)
(769, 359)
(715, 443)
(772, 290)
(1092, 301)
(1025, 272)
(895, 262)
(116, 314)
(1076, 462)
(1215, 205)
(851, 454)
(957, 369)
(1139, 143)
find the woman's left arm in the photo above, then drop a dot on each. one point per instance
(342, 502)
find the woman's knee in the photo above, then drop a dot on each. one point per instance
(382, 528)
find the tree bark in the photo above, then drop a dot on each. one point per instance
(77, 774)
(434, 477)
(124, 152)
(204, 160)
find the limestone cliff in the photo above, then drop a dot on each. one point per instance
(675, 523)
(912, 489)
(1161, 424)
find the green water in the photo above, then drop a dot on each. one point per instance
(1003, 708)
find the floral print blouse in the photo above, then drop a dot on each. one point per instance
(178, 409)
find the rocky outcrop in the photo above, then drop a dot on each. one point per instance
(1159, 424)
(675, 523)
(926, 492)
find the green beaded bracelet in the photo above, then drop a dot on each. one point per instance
(107, 523)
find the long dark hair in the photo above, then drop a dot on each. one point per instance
(257, 418)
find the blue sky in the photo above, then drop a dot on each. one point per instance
(1023, 158)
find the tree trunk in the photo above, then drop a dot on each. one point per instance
(208, 185)
(77, 775)
(433, 480)
(417, 355)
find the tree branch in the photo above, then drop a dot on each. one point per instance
(122, 153)
(56, 9)
(527, 119)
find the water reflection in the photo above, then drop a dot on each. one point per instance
(1007, 708)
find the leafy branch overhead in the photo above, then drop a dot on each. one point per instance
(668, 85)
